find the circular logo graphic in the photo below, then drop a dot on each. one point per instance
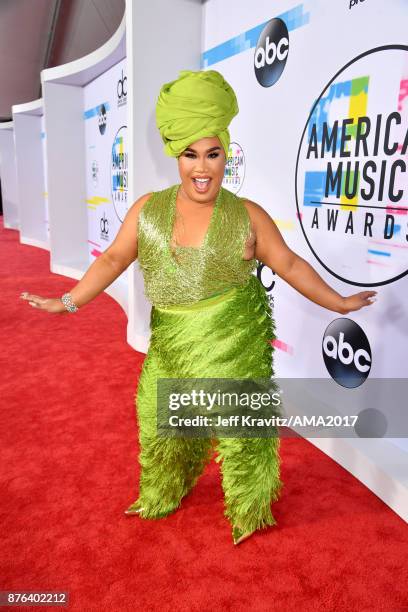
(266, 276)
(119, 173)
(371, 423)
(271, 52)
(346, 353)
(351, 172)
(102, 118)
(234, 172)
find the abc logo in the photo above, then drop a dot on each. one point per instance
(121, 88)
(104, 225)
(271, 52)
(266, 276)
(102, 119)
(346, 353)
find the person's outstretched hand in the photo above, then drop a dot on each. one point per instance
(358, 300)
(48, 304)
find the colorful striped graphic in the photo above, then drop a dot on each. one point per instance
(285, 224)
(282, 346)
(315, 181)
(94, 112)
(357, 92)
(382, 253)
(117, 154)
(294, 18)
(96, 201)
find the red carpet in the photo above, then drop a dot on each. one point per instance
(69, 469)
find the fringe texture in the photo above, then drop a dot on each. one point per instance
(227, 335)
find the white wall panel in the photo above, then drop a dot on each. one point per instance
(8, 174)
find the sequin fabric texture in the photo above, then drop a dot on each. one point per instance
(183, 275)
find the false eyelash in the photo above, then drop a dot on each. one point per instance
(191, 155)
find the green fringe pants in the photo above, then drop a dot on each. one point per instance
(227, 335)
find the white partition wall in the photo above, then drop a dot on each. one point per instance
(162, 39)
(106, 158)
(74, 200)
(8, 176)
(31, 176)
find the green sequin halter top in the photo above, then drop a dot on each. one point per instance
(184, 274)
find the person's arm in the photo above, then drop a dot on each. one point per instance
(104, 270)
(113, 261)
(272, 250)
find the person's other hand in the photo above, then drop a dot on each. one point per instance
(358, 300)
(40, 303)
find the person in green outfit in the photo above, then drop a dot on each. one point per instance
(198, 245)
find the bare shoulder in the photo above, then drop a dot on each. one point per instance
(254, 209)
(133, 212)
(139, 203)
(270, 247)
(257, 214)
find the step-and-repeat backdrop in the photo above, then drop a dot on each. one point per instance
(321, 143)
(105, 120)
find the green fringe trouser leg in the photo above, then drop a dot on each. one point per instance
(227, 335)
(250, 471)
(170, 467)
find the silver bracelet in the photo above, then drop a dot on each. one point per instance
(68, 303)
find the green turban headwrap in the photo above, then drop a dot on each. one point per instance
(196, 105)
